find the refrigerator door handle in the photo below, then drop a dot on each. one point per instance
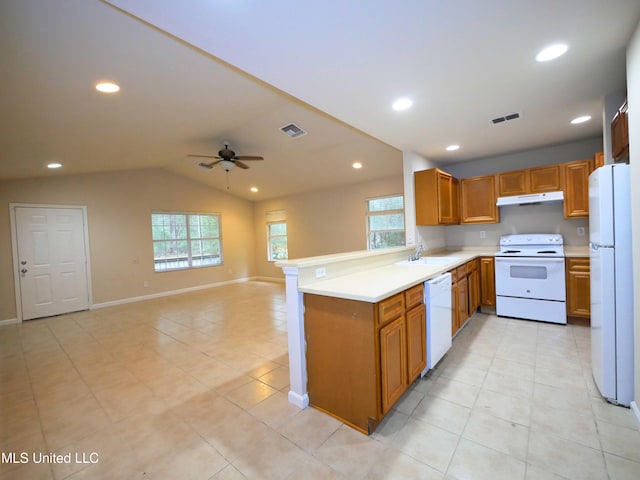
(597, 246)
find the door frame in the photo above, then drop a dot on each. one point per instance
(14, 249)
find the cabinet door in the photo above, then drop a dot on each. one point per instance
(416, 342)
(474, 291)
(445, 205)
(455, 200)
(393, 362)
(463, 302)
(578, 288)
(513, 183)
(545, 179)
(576, 188)
(455, 299)
(478, 200)
(487, 282)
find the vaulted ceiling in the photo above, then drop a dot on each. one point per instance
(195, 74)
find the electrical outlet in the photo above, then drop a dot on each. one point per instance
(145, 284)
(581, 231)
(321, 272)
(483, 234)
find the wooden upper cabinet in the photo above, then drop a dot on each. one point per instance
(478, 200)
(455, 200)
(545, 179)
(436, 194)
(513, 183)
(620, 134)
(532, 180)
(576, 188)
(598, 160)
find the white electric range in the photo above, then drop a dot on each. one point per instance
(530, 277)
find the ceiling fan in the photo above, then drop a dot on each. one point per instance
(227, 159)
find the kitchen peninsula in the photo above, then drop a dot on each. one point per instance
(356, 327)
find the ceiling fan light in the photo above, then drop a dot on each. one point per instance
(227, 165)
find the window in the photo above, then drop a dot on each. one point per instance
(185, 240)
(277, 241)
(385, 222)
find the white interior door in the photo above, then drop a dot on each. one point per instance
(52, 261)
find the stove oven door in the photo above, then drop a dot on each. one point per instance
(530, 277)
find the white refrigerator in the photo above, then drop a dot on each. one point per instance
(611, 282)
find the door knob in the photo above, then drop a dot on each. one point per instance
(24, 270)
(23, 262)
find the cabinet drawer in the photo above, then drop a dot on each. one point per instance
(390, 308)
(461, 271)
(414, 296)
(473, 265)
(454, 275)
(578, 264)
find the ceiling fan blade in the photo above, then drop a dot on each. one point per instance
(240, 164)
(247, 157)
(209, 165)
(202, 156)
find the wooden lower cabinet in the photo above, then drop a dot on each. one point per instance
(465, 293)
(578, 287)
(393, 362)
(487, 282)
(416, 341)
(361, 357)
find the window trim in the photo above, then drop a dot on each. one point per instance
(385, 212)
(188, 240)
(269, 236)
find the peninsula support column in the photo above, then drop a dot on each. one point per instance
(297, 352)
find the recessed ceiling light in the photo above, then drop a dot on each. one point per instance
(452, 148)
(254, 189)
(582, 119)
(551, 52)
(402, 104)
(357, 165)
(107, 87)
(54, 165)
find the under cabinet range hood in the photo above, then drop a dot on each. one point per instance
(546, 197)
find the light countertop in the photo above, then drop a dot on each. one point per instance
(376, 284)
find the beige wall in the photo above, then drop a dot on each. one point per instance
(318, 223)
(119, 207)
(633, 95)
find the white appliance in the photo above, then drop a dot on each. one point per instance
(531, 198)
(530, 277)
(437, 299)
(611, 282)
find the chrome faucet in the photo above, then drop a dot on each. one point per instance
(417, 254)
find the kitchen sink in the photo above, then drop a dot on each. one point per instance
(429, 261)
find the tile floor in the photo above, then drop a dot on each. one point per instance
(195, 387)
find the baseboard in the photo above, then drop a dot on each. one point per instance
(300, 401)
(636, 411)
(8, 321)
(268, 279)
(124, 301)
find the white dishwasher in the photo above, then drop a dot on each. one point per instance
(437, 299)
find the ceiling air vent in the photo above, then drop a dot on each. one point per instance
(293, 130)
(511, 116)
